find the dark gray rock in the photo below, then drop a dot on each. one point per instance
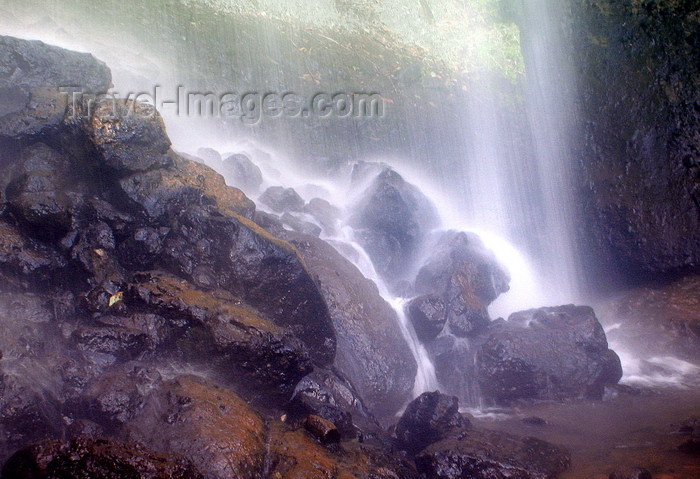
(31, 74)
(25, 260)
(428, 316)
(326, 394)
(127, 137)
(392, 218)
(84, 457)
(466, 276)
(639, 174)
(212, 328)
(282, 199)
(484, 454)
(547, 353)
(300, 225)
(427, 419)
(371, 350)
(325, 213)
(242, 173)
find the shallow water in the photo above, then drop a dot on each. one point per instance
(620, 433)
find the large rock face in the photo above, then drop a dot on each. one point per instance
(392, 217)
(371, 351)
(640, 146)
(114, 250)
(547, 353)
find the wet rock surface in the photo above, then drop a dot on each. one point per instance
(93, 458)
(119, 257)
(446, 446)
(638, 158)
(664, 318)
(488, 454)
(282, 199)
(371, 351)
(465, 276)
(547, 353)
(429, 418)
(242, 173)
(203, 421)
(146, 306)
(31, 75)
(392, 218)
(427, 314)
(327, 394)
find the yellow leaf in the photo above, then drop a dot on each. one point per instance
(115, 298)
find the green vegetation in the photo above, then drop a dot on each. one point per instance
(464, 36)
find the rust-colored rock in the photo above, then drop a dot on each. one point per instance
(295, 455)
(205, 422)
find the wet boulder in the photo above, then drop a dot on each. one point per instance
(103, 458)
(127, 136)
(298, 224)
(392, 217)
(140, 249)
(324, 213)
(428, 316)
(326, 394)
(547, 353)
(124, 338)
(31, 75)
(466, 276)
(372, 353)
(115, 398)
(484, 454)
(427, 419)
(282, 199)
(35, 190)
(210, 156)
(165, 192)
(210, 242)
(242, 173)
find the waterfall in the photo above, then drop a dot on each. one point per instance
(500, 170)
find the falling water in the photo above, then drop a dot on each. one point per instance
(514, 193)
